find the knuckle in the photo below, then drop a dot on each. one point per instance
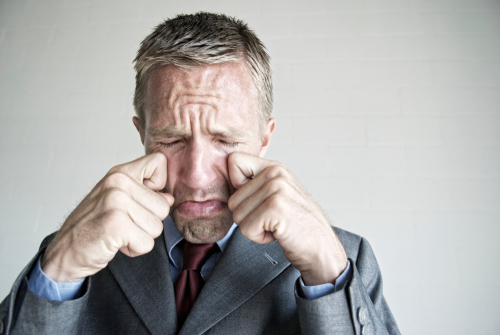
(245, 230)
(113, 197)
(149, 244)
(116, 169)
(163, 213)
(277, 184)
(237, 217)
(115, 179)
(232, 165)
(144, 245)
(157, 228)
(275, 170)
(164, 210)
(231, 204)
(159, 157)
(233, 157)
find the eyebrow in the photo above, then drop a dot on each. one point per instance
(171, 131)
(168, 131)
(230, 132)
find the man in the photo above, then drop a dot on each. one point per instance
(203, 208)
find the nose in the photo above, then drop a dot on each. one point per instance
(199, 166)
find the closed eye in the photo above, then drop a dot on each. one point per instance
(229, 144)
(169, 144)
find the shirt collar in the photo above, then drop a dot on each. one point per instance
(173, 237)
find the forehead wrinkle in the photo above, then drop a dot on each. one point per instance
(196, 113)
(214, 94)
(207, 115)
(179, 96)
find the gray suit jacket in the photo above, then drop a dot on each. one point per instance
(252, 290)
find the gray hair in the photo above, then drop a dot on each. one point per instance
(201, 39)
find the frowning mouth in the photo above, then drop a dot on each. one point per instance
(196, 209)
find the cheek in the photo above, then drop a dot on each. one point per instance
(220, 165)
(177, 165)
(173, 169)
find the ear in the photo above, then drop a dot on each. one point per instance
(268, 131)
(137, 125)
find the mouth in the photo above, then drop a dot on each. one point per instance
(197, 209)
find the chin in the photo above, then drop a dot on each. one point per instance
(203, 229)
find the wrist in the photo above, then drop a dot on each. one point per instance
(57, 268)
(325, 272)
(325, 277)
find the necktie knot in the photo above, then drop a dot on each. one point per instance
(195, 255)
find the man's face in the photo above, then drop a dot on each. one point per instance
(197, 117)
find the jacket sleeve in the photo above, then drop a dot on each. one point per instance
(357, 308)
(23, 312)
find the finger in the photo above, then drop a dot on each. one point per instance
(244, 167)
(150, 170)
(144, 219)
(263, 225)
(137, 242)
(156, 203)
(254, 185)
(253, 194)
(169, 197)
(123, 234)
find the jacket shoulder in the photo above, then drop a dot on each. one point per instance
(351, 242)
(47, 240)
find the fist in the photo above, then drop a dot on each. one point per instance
(270, 204)
(124, 212)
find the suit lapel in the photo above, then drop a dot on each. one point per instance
(252, 266)
(147, 284)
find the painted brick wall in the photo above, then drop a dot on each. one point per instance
(387, 111)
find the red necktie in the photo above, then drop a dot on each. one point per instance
(189, 283)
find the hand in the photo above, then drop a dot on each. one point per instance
(123, 212)
(270, 204)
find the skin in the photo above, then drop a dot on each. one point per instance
(204, 166)
(196, 118)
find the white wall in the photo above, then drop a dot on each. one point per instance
(387, 111)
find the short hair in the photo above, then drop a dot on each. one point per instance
(191, 40)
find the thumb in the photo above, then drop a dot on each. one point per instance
(150, 170)
(243, 167)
